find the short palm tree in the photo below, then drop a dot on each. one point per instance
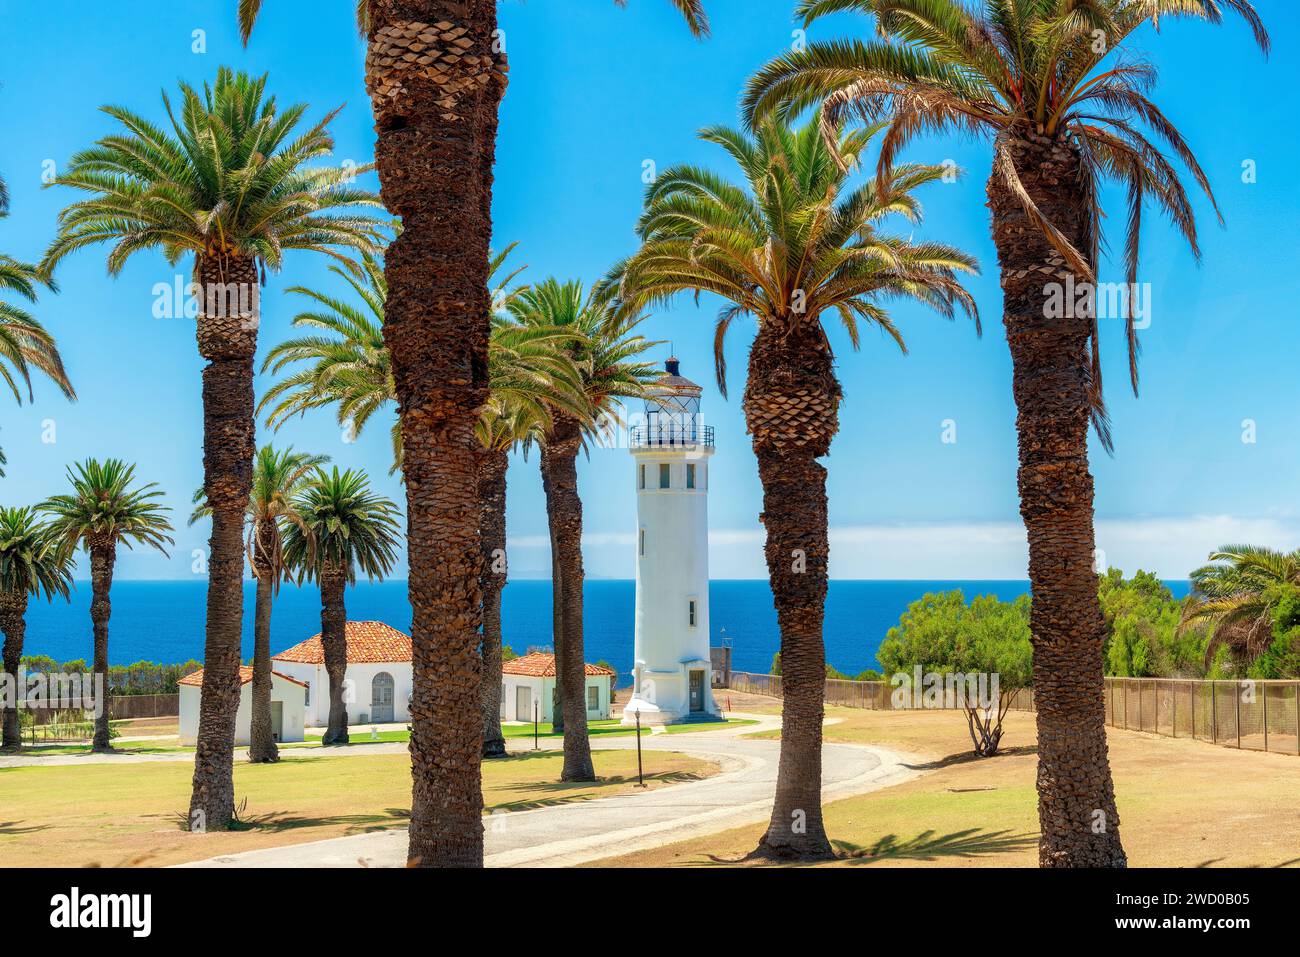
(32, 562)
(436, 72)
(604, 351)
(106, 508)
(227, 182)
(24, 342)
(792, 246)
(342, 528)
(1051, 83)
(278, 477)
(1235, 595)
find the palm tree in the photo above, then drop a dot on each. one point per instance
(32, 562)
(24, 342)
(277, 479)
(791, 246)
(228, 183)
(1237, 596)
(702, 233)
(342, 527)
(104, 510)
(348, 366)
(436, 71)
(1066, 110)
(604, 352)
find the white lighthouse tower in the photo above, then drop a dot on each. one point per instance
(671, 667)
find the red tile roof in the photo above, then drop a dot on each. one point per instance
(245, 676)
(369, 642)
(539, 664)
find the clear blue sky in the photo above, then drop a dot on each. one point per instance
(595, 92)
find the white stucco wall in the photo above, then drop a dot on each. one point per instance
(358, 690)
(672, 569)
(289, 695)
(542, 690)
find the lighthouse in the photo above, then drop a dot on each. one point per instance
(671, 452)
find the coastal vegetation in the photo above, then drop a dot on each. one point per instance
(477, 367)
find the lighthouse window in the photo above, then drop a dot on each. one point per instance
(690, 476)
(690, 612)
(643, 475)
(664, 474)
(641, 543)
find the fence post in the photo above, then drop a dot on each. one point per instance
(1238, 691)
(1264, 702)
(1192, 703)
(1125, 704)
(1214, 712)
(1173, 725)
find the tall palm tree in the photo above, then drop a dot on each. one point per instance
(1236, 595)
(32, 562)
(228, 183)
(106, 508)
(278, 477)
(436, 72)
(1049, 82)
(605, 353)
(791, 246)
(342, 528)
(24, 342)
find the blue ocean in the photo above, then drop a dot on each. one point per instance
(162, 621)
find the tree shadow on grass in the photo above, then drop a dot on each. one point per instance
(969, 757)
(969, 843)
(276, 822)
(563, 792)
(926, 846)
(11, 828)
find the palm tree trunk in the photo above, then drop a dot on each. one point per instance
(557, 609)
(262, 748)
(436, 117)
(333, 636)
(492, 492)
(227, 339)
(13, 611)
(1051, 379)
(564, 511)
(103, 556)
(791, 407)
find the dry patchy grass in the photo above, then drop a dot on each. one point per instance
(1183, 803)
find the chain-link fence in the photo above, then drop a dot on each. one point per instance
(1255, 715)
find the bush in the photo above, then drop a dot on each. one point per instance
(942, 635)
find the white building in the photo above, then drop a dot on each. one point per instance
(288, 700)
(671, 658)
(377, 684)
(530, 681)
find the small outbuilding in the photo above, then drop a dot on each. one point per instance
(288, 707)
(530, 681)
(378, 681)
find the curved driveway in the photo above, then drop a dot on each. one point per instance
(568, 834)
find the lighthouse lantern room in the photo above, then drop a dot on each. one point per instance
(671, 450)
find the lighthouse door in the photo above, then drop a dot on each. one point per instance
(697, 691)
